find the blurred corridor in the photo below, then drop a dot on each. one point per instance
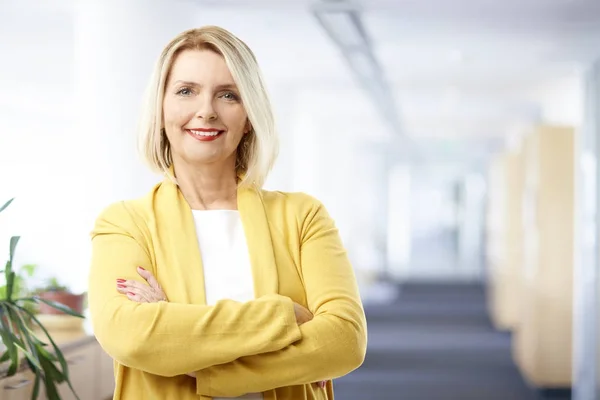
(454, 142)
(436, 342)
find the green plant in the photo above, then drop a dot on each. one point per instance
(18, 325)
(20, 285)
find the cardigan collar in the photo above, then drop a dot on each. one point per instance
(175, 217)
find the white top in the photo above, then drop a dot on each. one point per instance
(226, 261)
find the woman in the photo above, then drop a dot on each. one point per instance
(239, 267)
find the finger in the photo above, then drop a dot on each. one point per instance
(130, 283)
(149, 278)
(322, 384)
(308, 315)
(149, 294)
(135, 297)
(135, 284)
(143, 294)
(144, 291)
(122, 289)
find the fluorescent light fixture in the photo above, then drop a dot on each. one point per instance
(342, 22)
(364, 64)
(345, 28)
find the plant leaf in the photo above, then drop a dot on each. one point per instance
(6, 204)
(13, 245)
(28, 336)
(45, 353)
(36, 387)
(10, 284)
(30, 357)
(5, 357)
(9, 340)
(57, 352)
(51, 373)
(51, 370)
(8, 271)
(50, 386)
(61, 307)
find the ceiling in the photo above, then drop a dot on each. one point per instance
(458, 68)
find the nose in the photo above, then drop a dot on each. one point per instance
(206, 110)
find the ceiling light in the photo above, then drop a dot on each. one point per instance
(364, 65)
(345, 28)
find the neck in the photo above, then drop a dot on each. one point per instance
(209, 187)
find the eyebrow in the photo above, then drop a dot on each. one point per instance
(225, 86)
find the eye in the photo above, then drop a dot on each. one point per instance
(230, 96)
(184, 91)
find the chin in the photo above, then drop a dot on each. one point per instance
(200, 158)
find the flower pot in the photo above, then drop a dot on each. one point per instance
(73, 301)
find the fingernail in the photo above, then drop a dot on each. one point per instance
(141, 268)
(131, 294)
(121, 280)
(121, 286)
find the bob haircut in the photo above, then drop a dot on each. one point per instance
(258, 148)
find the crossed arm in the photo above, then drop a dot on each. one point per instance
(275, 351)
(170, 339)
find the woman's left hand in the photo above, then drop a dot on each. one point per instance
(142, 292)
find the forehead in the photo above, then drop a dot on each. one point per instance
(200, 66)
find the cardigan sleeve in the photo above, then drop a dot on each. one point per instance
(170, 339)
(333, 343)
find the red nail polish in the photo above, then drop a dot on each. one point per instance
(121, 286)
(131, 294)
(120, 280)
(141, 268)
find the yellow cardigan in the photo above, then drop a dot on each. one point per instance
(237, 348)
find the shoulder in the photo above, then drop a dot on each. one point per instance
(299, 203)
(125, 216)
(304, 210)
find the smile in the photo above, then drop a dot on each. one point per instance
(204, 135)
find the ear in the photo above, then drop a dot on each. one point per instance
(247, 127)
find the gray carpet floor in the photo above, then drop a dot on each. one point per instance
(436, 343)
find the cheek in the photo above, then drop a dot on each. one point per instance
(236, 120)
(175, 113)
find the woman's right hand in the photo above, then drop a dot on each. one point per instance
(302, 314)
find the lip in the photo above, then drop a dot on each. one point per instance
(205, 129)
(205, 138)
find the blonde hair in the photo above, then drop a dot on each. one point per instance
(258, 149)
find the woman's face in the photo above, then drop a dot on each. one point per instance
(204, 118)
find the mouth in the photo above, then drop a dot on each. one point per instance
(205, 135)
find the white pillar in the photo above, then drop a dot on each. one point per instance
(586, 307)
(284, 102)
(399, 221)
(470, 226)
(371, 206)
(116, 45)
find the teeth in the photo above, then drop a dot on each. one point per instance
(199, 133)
